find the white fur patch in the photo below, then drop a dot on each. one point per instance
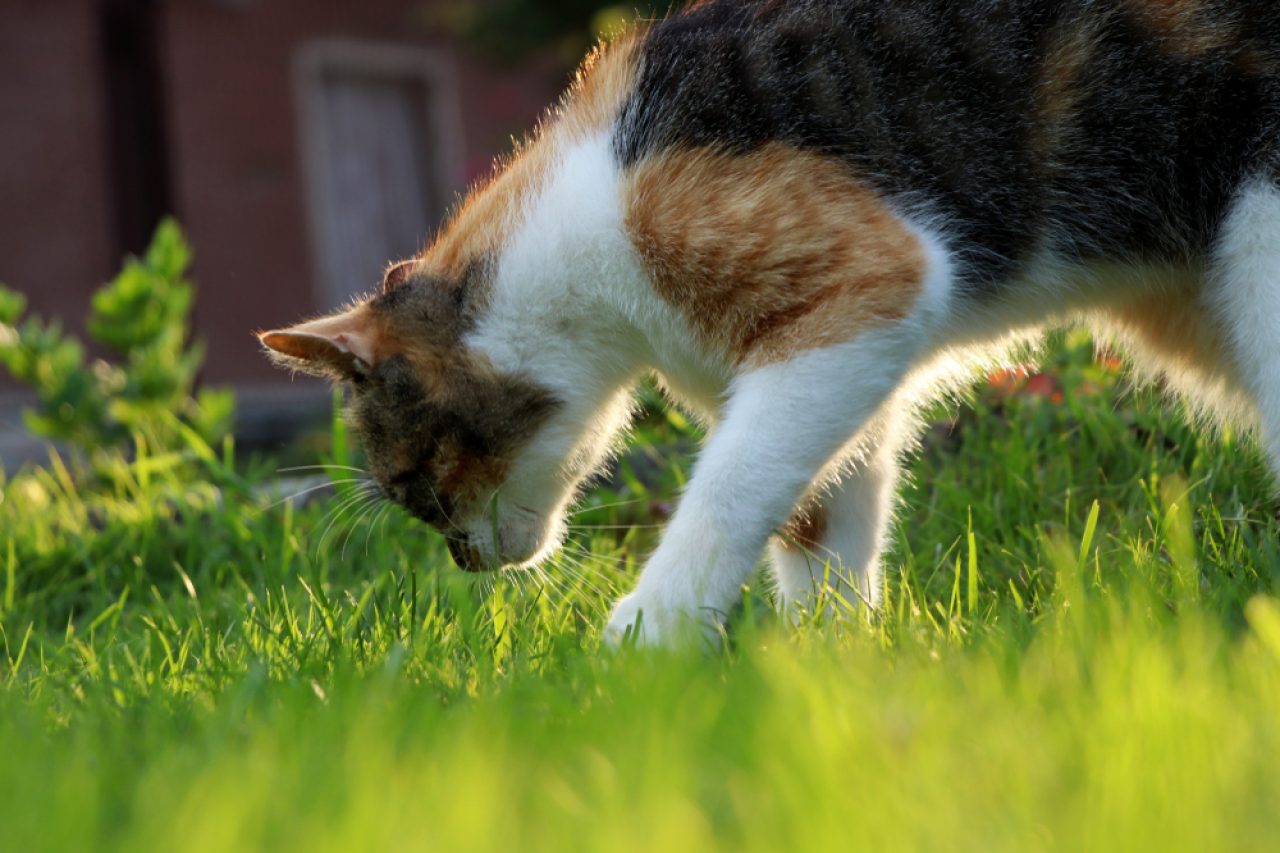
(1246, 293)
(573, 310)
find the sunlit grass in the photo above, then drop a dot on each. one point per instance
(1079, 650)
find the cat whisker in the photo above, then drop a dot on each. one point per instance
(345, 506)
(333, 507)
(544, 579)
(382, 522)
(613, 505)
(582, 575)
(520, 578)
(378, 518)
(310, 489)
(582, 551)
(582, 558)
(365, 512)
(321, 467)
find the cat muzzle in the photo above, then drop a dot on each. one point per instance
(465, 555)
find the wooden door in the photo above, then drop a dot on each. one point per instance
(382, 152)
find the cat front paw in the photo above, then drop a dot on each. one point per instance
(646, 620)
(633, 621)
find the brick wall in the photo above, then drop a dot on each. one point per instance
(236, 178)
(55, 220)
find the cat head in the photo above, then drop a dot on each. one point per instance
(448, 435)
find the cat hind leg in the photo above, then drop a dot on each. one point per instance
(829, 552)
(1245, 285)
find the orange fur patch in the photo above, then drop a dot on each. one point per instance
(1170, 327)
(493, 210)
(1185, 27)
(770, 253)
(1253, 61)
(599, 87)
(806, 529)
(1060, 87)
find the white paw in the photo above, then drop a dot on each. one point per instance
(647, 621)
(633, 620)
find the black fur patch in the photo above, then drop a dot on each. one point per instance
(941, 104)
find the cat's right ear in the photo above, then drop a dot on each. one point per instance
(338, 347)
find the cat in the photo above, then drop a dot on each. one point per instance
(806, 218)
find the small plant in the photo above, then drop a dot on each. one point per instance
(145, 394)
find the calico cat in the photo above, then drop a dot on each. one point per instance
(806, 217)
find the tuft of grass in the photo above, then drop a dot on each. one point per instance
(1079, 649)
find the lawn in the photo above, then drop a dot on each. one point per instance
(1079, 650)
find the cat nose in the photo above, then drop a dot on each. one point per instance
(465, 555)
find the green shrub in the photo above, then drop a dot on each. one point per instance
(510, 31)
(146, 392)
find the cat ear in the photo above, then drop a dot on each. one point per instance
(340, 346)
(398, 275)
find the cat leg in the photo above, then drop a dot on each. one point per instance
(834, 539)
(782, 425)
(1245, 284)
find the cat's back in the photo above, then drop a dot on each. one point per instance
(1121, 126)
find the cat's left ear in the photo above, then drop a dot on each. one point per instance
(398, 274)
(340, 346)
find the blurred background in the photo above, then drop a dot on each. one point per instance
(299, 144)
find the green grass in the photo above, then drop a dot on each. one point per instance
(1079, 651)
